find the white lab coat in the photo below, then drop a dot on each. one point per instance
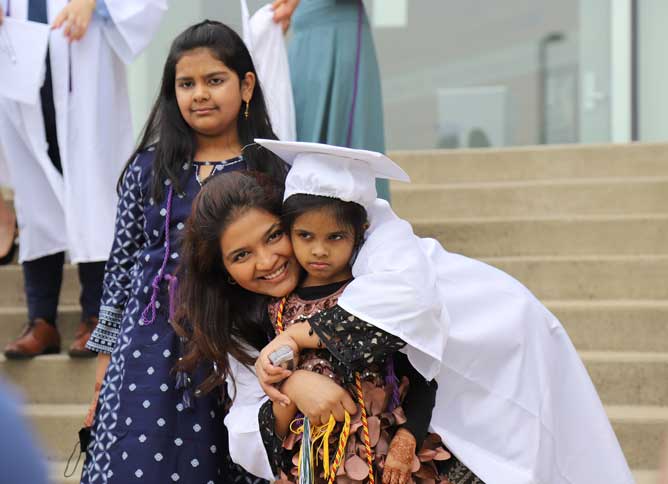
(514, 402)
(75, 212)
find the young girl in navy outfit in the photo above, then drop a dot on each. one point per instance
(150, 422)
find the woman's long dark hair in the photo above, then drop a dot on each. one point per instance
(176, 141)
(217, 317)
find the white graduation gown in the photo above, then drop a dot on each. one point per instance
(76, 211)
(266, 43)
(514, 402)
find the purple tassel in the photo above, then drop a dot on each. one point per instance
(184, 384)
(393, 382)
(161, 273)
(172, 289)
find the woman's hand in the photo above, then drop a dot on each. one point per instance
(76, 18)
(283, 10)
(268, 375)
(318, 397)
(399, 458)
(90, 416)
(103, 360)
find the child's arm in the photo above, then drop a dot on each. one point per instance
(333, 329)
(418, 405)
(420, 399)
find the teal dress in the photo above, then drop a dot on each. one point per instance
(335, 77)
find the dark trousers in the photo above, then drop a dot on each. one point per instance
(43, 277)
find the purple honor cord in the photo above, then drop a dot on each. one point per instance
(173, 281)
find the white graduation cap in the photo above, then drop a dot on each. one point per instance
(333, 171)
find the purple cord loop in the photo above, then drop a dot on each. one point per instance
(351, 118)
(393, 382)
(151, 307)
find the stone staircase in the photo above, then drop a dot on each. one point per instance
(585, 228)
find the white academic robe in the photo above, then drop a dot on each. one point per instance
(266, 44)
(514, 403)
(75, 212)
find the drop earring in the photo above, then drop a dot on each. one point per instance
(246, 111)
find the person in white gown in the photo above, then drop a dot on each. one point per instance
(65, 153)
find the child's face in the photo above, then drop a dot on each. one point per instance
(258, 255)
(209, 94)
(323, 247)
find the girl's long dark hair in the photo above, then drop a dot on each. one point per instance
(176, 141)
(217, 317)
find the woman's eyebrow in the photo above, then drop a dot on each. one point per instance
(271, 229)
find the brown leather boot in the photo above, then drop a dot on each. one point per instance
(78, 347)
(38, 338)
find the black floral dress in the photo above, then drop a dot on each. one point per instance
(351, 345)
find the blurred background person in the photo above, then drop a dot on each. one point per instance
(65, 153)
(335, 75)
(20, 459)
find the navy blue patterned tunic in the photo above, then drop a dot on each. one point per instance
(145, 430)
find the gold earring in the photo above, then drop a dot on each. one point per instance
(246, 111)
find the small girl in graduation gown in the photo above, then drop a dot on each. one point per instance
(396, 402)
(149, 424)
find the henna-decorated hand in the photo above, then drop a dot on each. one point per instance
(399, 458)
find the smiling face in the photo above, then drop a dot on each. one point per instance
(258, 255)
(323, 246)
(209, 94)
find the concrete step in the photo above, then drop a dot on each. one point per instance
(52, 379)
(621, 378)
(589, 277)
(13, 319)
(621, 325)
(641, 432)
(58, 470)
(639, 429)
(549, 277)
(572, 234)
(534, 162)
(646, 476)
(628, 378)
(598, 196)
(57, 427)
(11, 286)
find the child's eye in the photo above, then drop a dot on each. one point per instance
(276, 235)
(336, 237)
(216, 81)
(304, 235)
(186, 84)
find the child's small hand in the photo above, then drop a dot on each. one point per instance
(399, 458)
(268, 374)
